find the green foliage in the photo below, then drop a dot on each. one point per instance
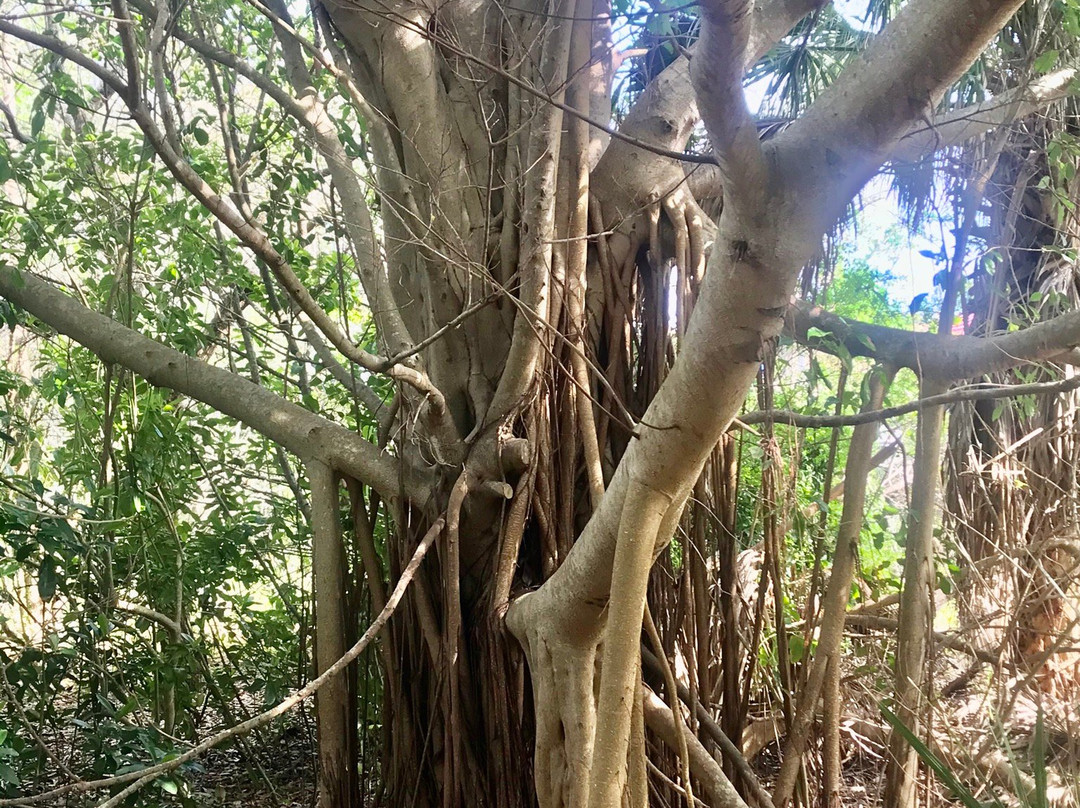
(806, 62)
(116, 495)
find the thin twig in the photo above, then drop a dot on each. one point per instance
(673, 700)
(13, 124)
(973, 393)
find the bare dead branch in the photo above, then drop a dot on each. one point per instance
(152, 615)
(967, 393)
(950, 641)
(13, 124)
(721, 793)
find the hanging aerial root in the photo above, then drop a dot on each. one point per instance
(673, 700)
(513, 530)
(688, 222)
(454, 648)
(643, 512)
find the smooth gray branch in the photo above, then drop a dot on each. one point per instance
(936, 356)
(300, 431)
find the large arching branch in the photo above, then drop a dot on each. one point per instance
(301, 431)
(846, 135)
(936, 356)
(356, 215)
(966, 123)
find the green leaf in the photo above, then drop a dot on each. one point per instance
(169, 786)
(931, 760)
(796, 648)
(945, 584)
(8, 775)
(813, 332)
(37, 123)
(201, 136)
(47, 578)
(127, 709)
(1045, 62)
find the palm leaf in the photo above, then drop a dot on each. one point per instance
(936, 764)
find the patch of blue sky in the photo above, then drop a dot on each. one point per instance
(881, 237)
(886, 244)
(854, 11)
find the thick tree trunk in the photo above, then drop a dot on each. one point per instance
(490, 310)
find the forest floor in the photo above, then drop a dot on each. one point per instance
(987, 736)
(280, 774)
(1002, 757)
(284, 777)
(229, 782)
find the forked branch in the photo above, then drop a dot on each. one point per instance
(717, 71)
(944, 357)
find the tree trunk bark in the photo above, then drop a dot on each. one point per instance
(337, 739)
